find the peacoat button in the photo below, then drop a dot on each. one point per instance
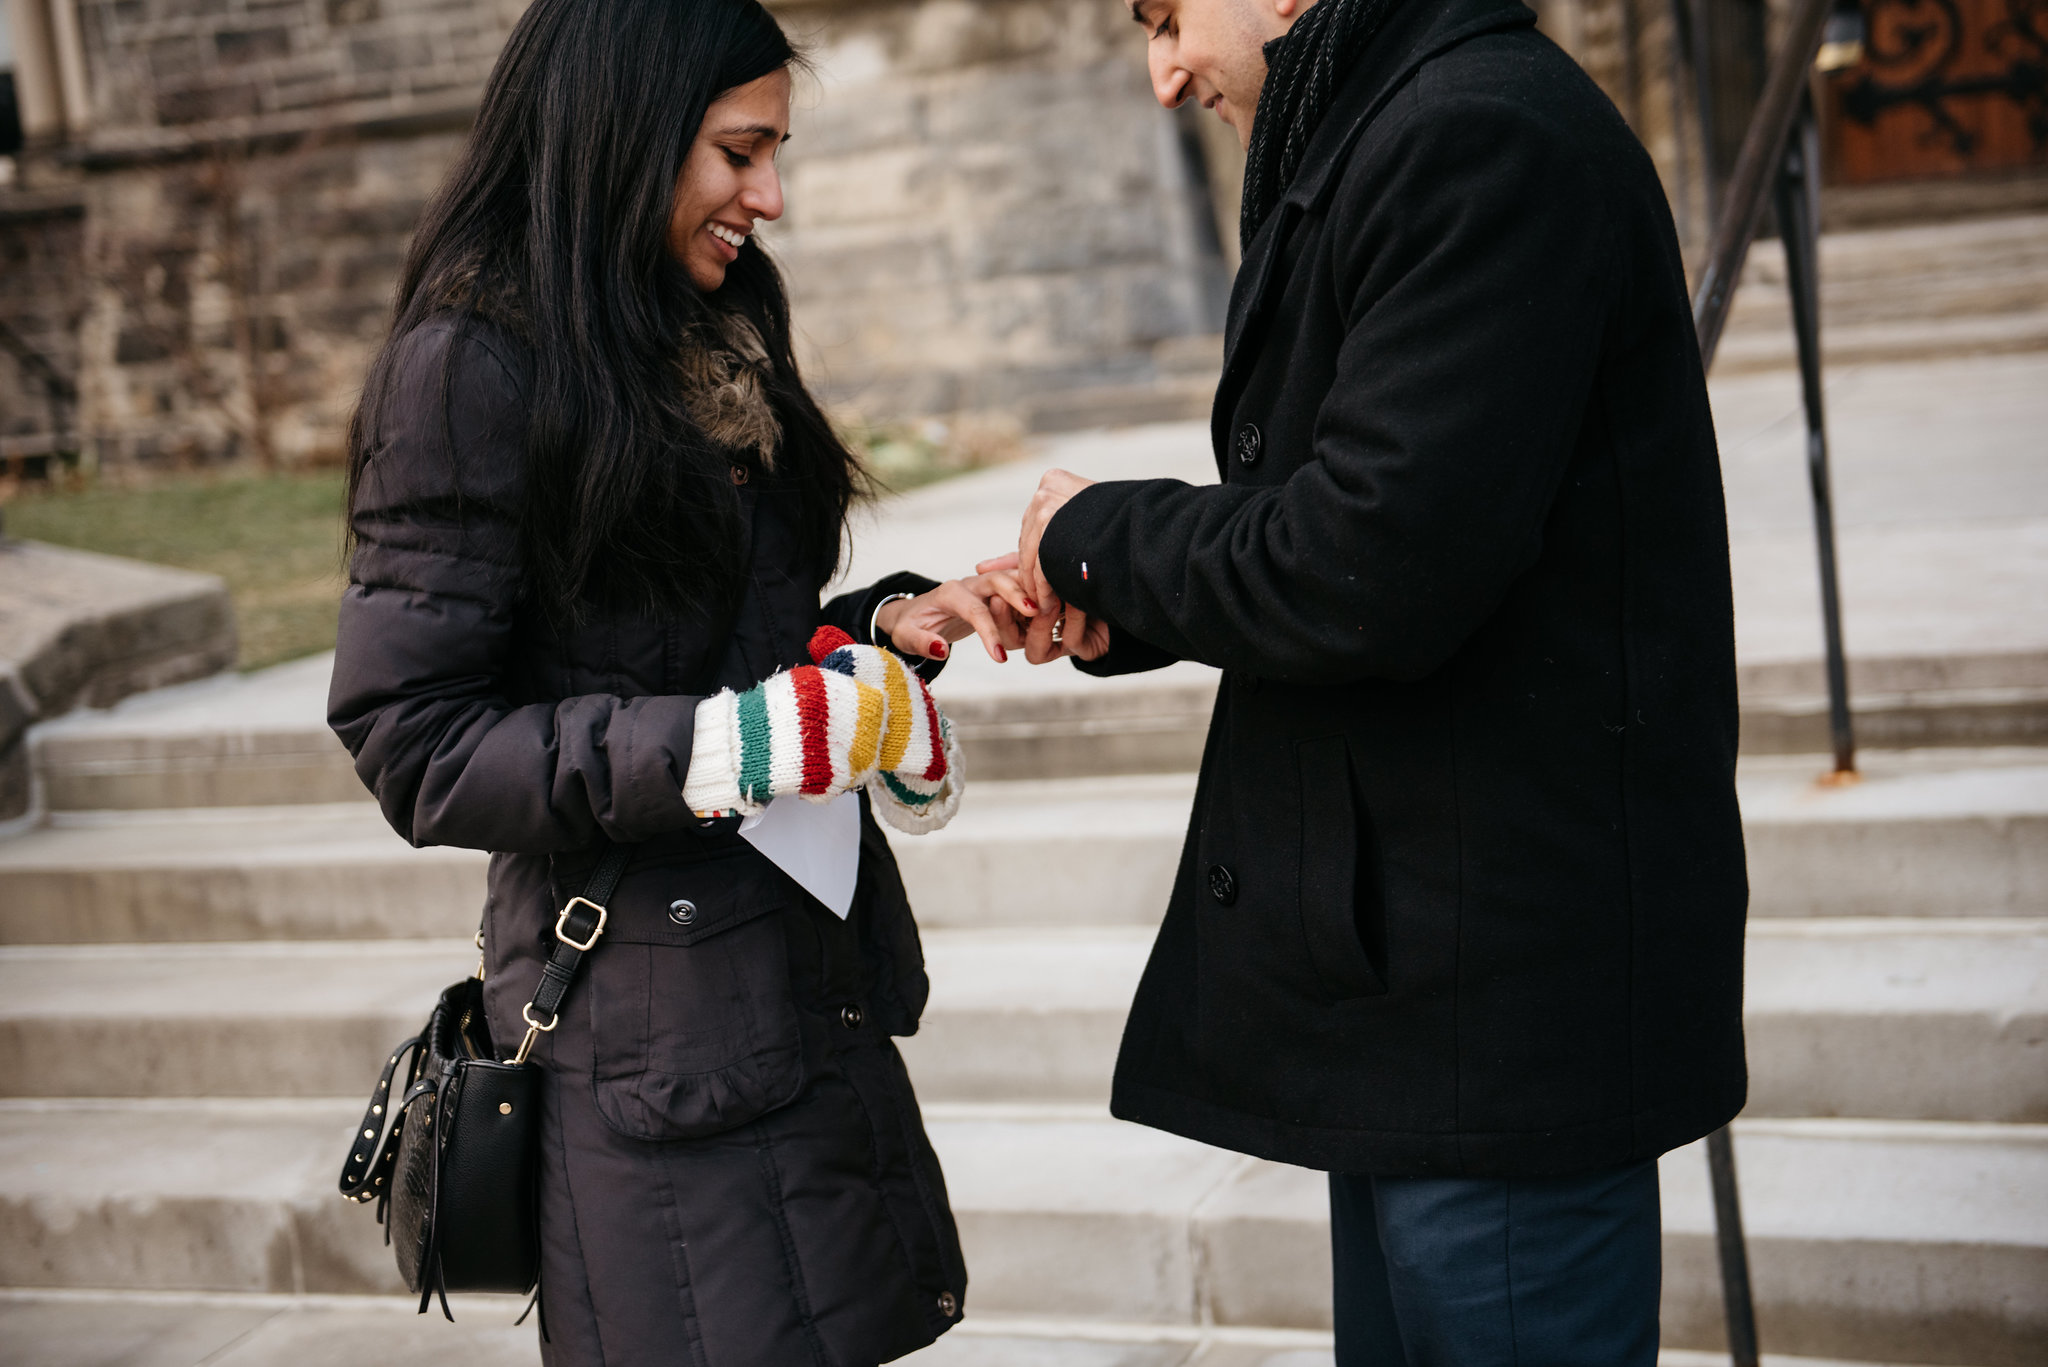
(949, 1304)
(1222, 884)
(683, 913)
(1249, 444)
(850, 1016)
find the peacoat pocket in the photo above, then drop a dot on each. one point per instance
(693, 1021)
(1341, 916)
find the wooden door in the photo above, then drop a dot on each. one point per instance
(1945, 88)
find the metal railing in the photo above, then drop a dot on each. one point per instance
(1780, 161)
(58, 392)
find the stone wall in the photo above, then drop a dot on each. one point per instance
(236, 296)
(987, 210)
(986, 204)
(157, 66)
(252, 172)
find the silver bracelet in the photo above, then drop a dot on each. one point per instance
(874, 622)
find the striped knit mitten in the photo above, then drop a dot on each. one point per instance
(919, 780)
(811, 732)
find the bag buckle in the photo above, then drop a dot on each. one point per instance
(562, 924)
(534, 1029)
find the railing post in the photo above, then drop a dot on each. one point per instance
(1796, 197)
(1774, 162)
(1735, 1295)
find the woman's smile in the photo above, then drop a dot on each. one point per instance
(729, 240)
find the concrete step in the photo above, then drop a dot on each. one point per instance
(80, 629)
(1169, 398)
(288, 872)
(1902, 293)
(1798, 723)
(1925, 833)
(1766, 341)
(228, 741)
(171, 1329)
(1928, 833)
(338, 871)
(1894, 1242)
(1933, 1020)
(260, 740)
(1955, 841)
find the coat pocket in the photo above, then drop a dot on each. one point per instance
(1340, 909)
(693, 1021)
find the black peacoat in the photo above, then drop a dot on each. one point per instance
(1463, 893)
(733, 1168)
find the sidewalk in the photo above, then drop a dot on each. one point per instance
(1941, 495)
(1941, 486)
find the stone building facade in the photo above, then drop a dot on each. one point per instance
(987, 210)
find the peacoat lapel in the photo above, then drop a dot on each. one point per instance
(1418, 31)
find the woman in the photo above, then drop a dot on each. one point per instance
(593, 506)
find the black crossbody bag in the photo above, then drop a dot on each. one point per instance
(454, 1177)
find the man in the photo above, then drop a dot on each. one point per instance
(1459, 917)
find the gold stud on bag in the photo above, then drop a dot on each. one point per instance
(454, 1178)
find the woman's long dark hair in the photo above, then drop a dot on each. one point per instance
(554, 223)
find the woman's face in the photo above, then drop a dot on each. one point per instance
(728, 180)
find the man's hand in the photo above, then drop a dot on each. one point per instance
(1076, 635)
(1055, 488)
(1079, 635)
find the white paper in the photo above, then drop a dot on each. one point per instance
(816, 843)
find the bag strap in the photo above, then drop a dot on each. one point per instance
(364, 1176)
(576, 933)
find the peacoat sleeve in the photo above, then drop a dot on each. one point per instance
(1470, 254)
(427, 635)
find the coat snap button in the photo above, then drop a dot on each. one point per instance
(949, 1305)
(683, 913)
(1248, 443)
(850, 1016)
(1222, 884)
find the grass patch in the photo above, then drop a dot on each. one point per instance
(905, 456)
(275, 540)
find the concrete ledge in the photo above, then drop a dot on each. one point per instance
(1760, 348)
(226, 1330)
(1936, 833)
(1887, 1241)
(1910, 1020)
(233, 741)
(79, 629)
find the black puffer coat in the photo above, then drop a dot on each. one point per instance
(735, 1173)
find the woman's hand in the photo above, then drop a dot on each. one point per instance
(1081, 636)
(990, 605)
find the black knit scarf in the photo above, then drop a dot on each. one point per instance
(1303, 72)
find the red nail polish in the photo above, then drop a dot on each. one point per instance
(1002, 656)
(1029, 604)
(938, 650)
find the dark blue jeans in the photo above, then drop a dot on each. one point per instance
(1484, 1272)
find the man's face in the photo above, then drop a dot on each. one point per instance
(1213, 51)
